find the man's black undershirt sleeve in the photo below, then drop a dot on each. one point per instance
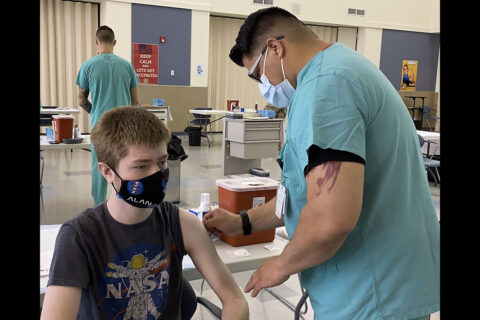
(317, 156)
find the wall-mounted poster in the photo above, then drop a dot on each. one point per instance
(145, 62)
(409, 75)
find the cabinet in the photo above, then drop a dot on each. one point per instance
(247, 141)
(163, 113)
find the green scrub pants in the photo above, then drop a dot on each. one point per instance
(99, 184)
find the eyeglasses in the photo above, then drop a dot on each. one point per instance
(250, 73)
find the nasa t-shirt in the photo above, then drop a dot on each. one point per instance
(125, 271)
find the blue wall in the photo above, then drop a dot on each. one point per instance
(405, 45)
(151, 22)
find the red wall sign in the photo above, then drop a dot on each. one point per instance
(145, 62)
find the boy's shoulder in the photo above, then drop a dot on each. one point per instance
(88, 219)
(97, 218)
(167, 213)
(167, 207)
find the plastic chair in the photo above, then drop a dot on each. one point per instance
(428, 117)
(299, 305)
(296, 308)
(430, 163)
(216, 311)
(189, 302)
(202, 121)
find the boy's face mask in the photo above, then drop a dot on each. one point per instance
(146, 192)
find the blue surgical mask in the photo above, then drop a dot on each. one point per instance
(279, 95)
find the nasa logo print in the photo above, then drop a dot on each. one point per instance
(135, 187)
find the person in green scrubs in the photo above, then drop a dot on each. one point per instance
(111, 82)
(358, 210)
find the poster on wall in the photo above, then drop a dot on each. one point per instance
(145, 62)
(409, 75)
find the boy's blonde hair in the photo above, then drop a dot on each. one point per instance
(121, 127)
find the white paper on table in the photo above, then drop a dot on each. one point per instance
(45, 262)
(272, 247)
(47, 246)
(241, 252)
(48, 237)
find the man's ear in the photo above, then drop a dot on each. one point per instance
(276, 46)
(106, 172)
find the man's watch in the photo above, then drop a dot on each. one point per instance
(246, 225)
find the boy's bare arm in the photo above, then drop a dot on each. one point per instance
(61, 303)
(200, 248)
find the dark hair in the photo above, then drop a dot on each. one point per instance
(105, 35)
(258, 26)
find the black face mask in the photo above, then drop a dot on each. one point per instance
(146, 192)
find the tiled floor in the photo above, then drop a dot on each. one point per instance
(66, 192)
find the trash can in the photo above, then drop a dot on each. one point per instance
(194, 135)
(173, 186)
(176, 154)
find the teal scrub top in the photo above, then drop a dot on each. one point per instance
(388, 267)
(109, 79)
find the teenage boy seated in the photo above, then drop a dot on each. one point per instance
(122, 259)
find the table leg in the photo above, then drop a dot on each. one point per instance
(296, 308)
(421, 116)
(413, 109)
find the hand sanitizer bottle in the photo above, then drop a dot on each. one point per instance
(204, 205)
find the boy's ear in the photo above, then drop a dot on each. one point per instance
(106, 171)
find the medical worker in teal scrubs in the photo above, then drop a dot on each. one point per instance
(358, 210)
(111, 82)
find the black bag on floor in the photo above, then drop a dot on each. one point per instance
(175, 149)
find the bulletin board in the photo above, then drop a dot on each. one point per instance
(398, 45)
(170, 29)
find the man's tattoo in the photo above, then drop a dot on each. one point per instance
(331, 171)
(85, 104)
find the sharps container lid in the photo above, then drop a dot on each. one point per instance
(61, 116)
(247, 184)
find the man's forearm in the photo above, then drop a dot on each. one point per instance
(83, 100)
(134, 96)
(313, 243)
(86, 105)
(263, 217)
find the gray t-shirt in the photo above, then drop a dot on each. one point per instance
(125, 271)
